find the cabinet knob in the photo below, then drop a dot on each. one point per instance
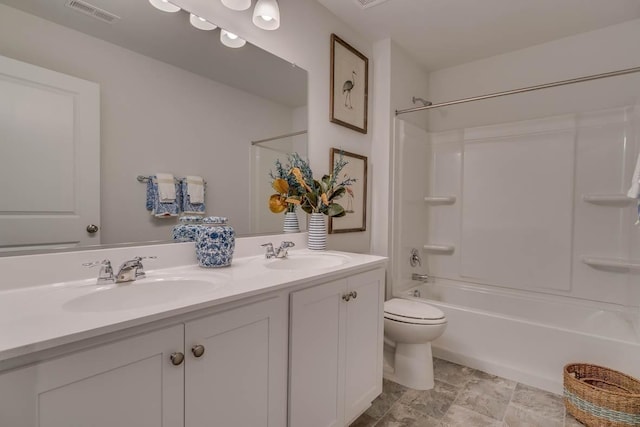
(346, 297)
(197, 350)
(177, 358)
(92, 228)
(354, 294)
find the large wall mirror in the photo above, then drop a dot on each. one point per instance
(172, 99)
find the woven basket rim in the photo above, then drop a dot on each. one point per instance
(598, 389)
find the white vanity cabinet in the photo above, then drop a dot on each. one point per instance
(336, 344)
(125, 383)
(237, 377)
(241, 378)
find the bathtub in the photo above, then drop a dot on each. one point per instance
(529, 337)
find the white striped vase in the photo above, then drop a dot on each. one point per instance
(291, 223)
(317, 232)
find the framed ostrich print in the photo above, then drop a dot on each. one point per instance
(354, 200)
(349, 85)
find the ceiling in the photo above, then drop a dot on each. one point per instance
(168, 37)
(444, 33)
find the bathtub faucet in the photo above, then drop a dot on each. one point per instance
(415, 259)
(420, 277)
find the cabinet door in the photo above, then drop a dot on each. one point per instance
(241, 378)
(364, 343)
(126, 383)
(316, 392)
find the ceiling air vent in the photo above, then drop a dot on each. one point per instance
(365, 4)
(91, 10)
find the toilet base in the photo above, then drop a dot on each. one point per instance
(412, 365)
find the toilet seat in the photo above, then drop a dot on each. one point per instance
(414, 312)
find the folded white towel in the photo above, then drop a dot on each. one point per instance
(634, 191)
(166, 187)
(195, 189)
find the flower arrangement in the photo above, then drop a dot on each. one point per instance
(295, 185)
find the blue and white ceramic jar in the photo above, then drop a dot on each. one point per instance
(215, 242)
(187, 229)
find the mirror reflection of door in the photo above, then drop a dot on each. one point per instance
(50, 151)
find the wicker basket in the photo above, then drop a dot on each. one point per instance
(601, 397)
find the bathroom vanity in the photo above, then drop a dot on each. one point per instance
(295, 342)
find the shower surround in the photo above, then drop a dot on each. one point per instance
(525, 231)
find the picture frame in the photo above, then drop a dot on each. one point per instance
(349, 86)
(355, 199)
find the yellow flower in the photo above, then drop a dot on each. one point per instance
(281, 186)
(296, 172)
(277, 203)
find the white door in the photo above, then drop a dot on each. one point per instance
(316, 369)
(364, 343)
(127, 383)
(49, 158)
(238, 377)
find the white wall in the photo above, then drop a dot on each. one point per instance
(304, 39)
(397, 79)
(154, 118)
(607, 49)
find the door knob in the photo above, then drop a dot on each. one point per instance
(177, 358)
(92, 229)
(197, 350)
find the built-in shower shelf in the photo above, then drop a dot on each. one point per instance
(615, 263)
(608, 199)
(439, 249)
(440, 200)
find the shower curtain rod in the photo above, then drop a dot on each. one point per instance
(286, 135)
(523, 90)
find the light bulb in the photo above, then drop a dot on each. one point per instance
(237, 4)
(201, 23)
(231, 40)
(164, 5)
(266, 15)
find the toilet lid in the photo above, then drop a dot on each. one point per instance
(404, 308)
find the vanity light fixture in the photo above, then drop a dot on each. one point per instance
(266, 15)
(231, 40)
(164, 5)
(237, 4)
(201, 23)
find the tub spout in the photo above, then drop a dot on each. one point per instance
(420, 277)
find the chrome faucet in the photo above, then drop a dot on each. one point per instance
(129, 270)
(132, 270)
(280, 252)
(105, 276)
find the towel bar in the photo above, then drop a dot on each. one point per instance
(145, 179)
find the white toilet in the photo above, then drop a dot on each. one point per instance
(409, 328)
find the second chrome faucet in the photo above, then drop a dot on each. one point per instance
(129, 270)
(280, 252)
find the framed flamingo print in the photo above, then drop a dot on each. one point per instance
(349, 85)
(354, 200)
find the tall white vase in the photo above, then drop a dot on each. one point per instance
(291, 223)
(317, 232)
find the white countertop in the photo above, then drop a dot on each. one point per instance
(41, 317)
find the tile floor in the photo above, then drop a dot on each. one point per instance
(465, 397)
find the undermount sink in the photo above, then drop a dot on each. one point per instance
(306, 261)
(141, 293)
